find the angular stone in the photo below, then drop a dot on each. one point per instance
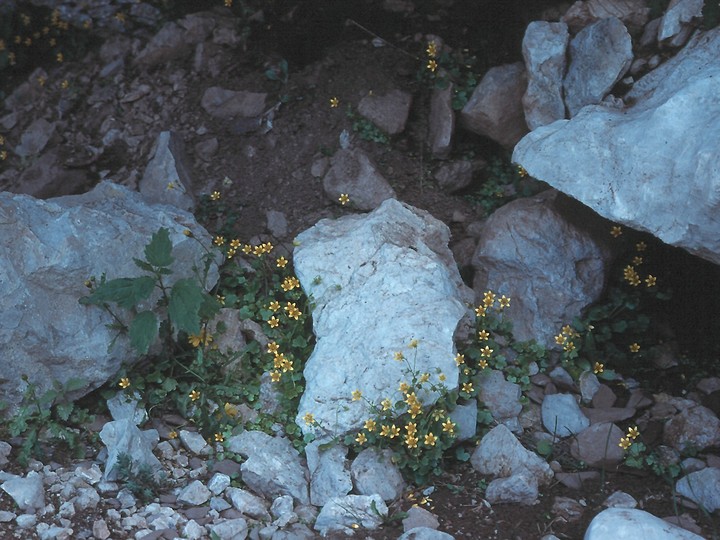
(598, 445)
(676, 18)
(544, 47)
(600, 55)
(344, 514)
(353, 172)
(388, 112)
(624, 524)
(127, 406)
(441, 126)
(696, 428)
(329, 474)
(194, 442)
(633, 13)
(218, 483)
(231, 529)
(465, 418)
(194, 494)
(620, 499)
(454, 176)
(35, 137)
(549, 267)
(363, 273)
(249, 504)
(373, 472)
(502, 398)
(561, 415)
(167, 178)
(519, 488)
(501, 454)
(28, 493)
(702, 487)
(495, 109)
(124, 437)
(425, 533)
(668, 109)
(417, 516)
(221, 103)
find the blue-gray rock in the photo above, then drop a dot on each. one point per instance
(127, 406)
(194, 494)
(620, 499)
(28, 493)
(272, 466)
(544, 49)
(124, 437)
(695, 427)
(502, 398)
(353, 172)
(562, 417)
(249, 504)
(417, 516)
(363, 273)
(373, 472)
(425, 533)
(519, 488)
(231, 529)
(167, 178)
(218, 483)
(702, 487)
(329, 474)
(600, 55)
(222, 103)
(625, 524)
(465, 418)
(596, 156)
(346, 514)
(675, 24)
(194, 442)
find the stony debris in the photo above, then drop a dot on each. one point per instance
(598, 445)
(28, 492)
(695, 427)
(373, 472)
(521, 488)
(345, 514)
(222, 103)
(501, 397)
(389, 112)
(329, 474)
(123, 437)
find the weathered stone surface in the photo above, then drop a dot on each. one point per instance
(425, 533)
(388, 112)
(495, 108)
(232, 529)
(544, 47)
(454, 176)
(502, 398)
(519, 488)
(633, 13)
(561, 415)
(417, 516)
(599, 57)
(696, 428)
(346, 513)
(272, 466)
(47, 250)
(195, 493)
(223, 103)
(35, 137)
(675, 20)
(624, 524)
(550, 268)
(167, 178)
(465, 418)
(249, 504)
(370, 268)
(702, 487)
(620, 499)
(194, 442)
(373, 472)
(28, 493)
(441, 126)
(127, 406)
(672, 109)
(329, 474)
(124, 437)
(501, 454)
(353, 172)
(598, 445)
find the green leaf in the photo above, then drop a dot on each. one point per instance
(169, 385)
(74, 383)
(143, 331)
(125, 292)
(544, 448)
(143, 265)
(64, 410)
(159, 251)
(186, 297)
(461, 454)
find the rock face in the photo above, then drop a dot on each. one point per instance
(47, 250)
(378, 282)
(627, 523)
(653, 165)
(550, 268)
(167, 177)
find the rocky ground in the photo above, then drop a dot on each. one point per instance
(103, 114)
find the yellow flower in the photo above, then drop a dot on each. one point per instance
(274, 305)
(235, 243)
(504, 301)
(414, 410)
(467, 388)
(432, 65)
(59, 57)
(569, 330)
(404, 387)
(482, 363)
(488, 298)
(411, 441)
(370, 425)
(448, 426)
(459, 359)
(231, 410)
(599, 368)
(633, 432)
(356, 395)
(172, 435)
(3, 155)
(442, 377)
(411, 399)
(273, 347)
(386, 404)
(275, 376)
(521, 171)
(187, 232)
(219, 437)
(389, 431)
(411, 428)
(219, 240)
(413, 344)
(650, 280)
(41, 81)
(483, 335)
(430, 439)
(65, 84)
(616, 231)
(560, 339)
(624, 443)
(273, 322)
(637, 260)
(480, 311)
(281, 262)
(361, 439)
(634, 348)
(228, 3)
(220, 299)
(344, 198)
(486, 351)
(247, 249)
(334, 102)
(309, 419)
(425, 377)
(204, 338)
(641, 246)
(431, 49)
(124, 383)
(215, 195)
(194, 395)
(569, 346)
(399, 356)
(289, 283)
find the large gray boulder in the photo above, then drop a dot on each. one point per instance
(47, 251)
(653, 165)
(378, 281)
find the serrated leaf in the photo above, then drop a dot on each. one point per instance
(143, 265)
(169, 385)
(186, 297)
(64, 410)
(75, 383)
(125, 292)
(159, 251)
(143, 331)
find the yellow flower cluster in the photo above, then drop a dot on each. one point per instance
(616, 231)
(564, 338)
(432, 52)
(281, 363)
(204, 338)
(631, 276)
(630, 436)
(290, 283)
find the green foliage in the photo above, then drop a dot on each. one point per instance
(140, 479)
(366, 130)
(638, 457)
(48, 419)
(443, 68)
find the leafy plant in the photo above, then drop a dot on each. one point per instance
(48, 417)
(140, 479)
(366, 130)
